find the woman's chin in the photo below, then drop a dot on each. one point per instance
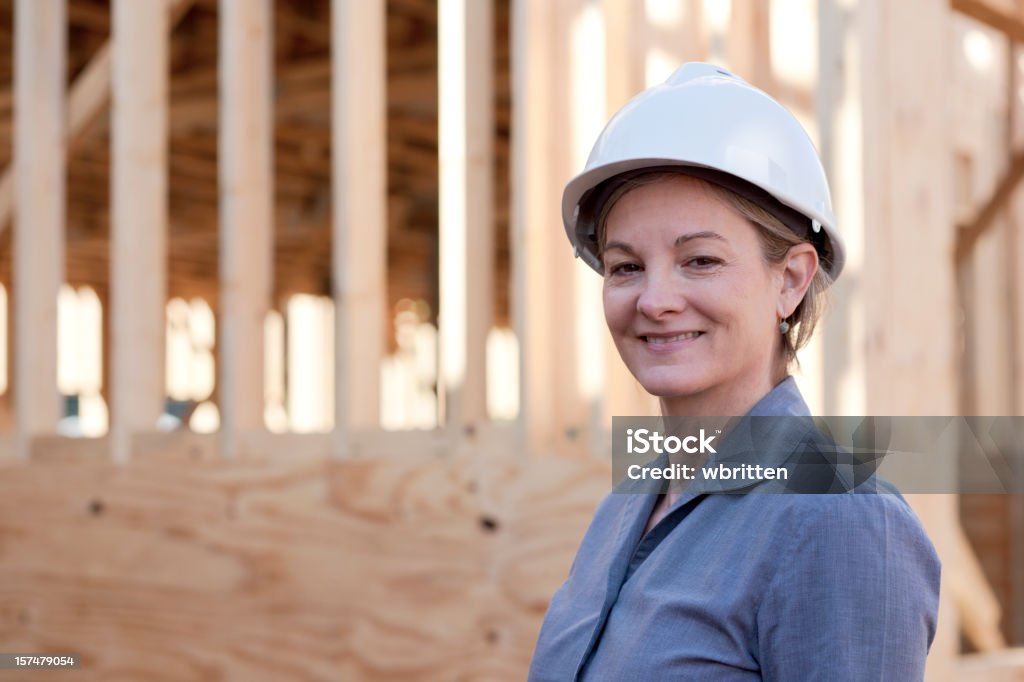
(673, 387)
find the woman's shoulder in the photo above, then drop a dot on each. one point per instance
(874, 498)
(875, 523)
(882, 498)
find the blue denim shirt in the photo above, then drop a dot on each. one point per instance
(783, 587)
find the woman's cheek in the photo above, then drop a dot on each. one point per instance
(616, 303)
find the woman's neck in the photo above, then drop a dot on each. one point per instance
(732, 400)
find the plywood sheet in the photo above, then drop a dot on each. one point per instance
(182, 566)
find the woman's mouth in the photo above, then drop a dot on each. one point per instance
(670, 339)
(665, 344)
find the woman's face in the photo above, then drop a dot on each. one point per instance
(691, 303)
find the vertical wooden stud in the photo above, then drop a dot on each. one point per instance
(749, 48)
(625, 32)
(466, 121)
(532, 219)
(138, 217)
(39, 94)
(246, 138)
(7, 422)
(908, 229)
(553, 416)
(907, 190)
(359, 227)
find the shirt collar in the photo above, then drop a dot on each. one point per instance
(773, 440)
(782, 401)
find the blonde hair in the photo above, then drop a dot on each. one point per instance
(776, 241)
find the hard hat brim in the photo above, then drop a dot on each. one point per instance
(580, 222)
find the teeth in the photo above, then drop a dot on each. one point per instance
(670, 339)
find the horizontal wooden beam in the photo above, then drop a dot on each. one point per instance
(1005, 665)
(985, 13)
(88, 16)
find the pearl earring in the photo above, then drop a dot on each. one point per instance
(783, 327)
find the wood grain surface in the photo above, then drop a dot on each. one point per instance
(182, 566)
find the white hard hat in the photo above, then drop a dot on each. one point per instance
(716, 126)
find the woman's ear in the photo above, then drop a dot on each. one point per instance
(798, 270)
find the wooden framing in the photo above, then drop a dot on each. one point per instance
(247, 211)
(358, 229)
(138, 218)
(1015, 268)
(549, 400)
(969, 233)
(986, 259)
(984, 12)
(908, 210)
(466, 227)
(624, 53)
(750, 43)
(908, 207)
(999, 666)
(40, 47)
(87, 97)
(7, 419)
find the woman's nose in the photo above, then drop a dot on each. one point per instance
(660, 296)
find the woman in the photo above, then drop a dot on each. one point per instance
(705, 208)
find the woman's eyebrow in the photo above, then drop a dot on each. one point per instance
(680, 240)
(619, 245)
(690, 236)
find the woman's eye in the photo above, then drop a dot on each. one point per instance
(623, 268)
(702, 262)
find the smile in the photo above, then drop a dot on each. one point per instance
(658, 340)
